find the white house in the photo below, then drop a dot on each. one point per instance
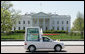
(44, 21)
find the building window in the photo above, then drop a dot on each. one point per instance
(67, 22)
(23, 22)
(18, 28)
(53, 28)
(28, 22)
(23, 28)
(62, 28)
(58, 28)
(19, 22)
(57, 22)
(62, 22)
(46, 28)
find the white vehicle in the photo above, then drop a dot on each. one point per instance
(34, 40)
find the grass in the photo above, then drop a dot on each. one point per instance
(15, 36)
(65, 37)
(20, 36)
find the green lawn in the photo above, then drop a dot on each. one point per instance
(65, 37)
(20, 36)
(15, 36)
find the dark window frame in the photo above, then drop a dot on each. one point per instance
(18, 28)
(57, 22)
(28, 22)
(67, 22)
(62, 22)
(23, 22)
(19, 22)
(62, 28)
(58, 28)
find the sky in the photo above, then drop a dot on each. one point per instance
(59, 7)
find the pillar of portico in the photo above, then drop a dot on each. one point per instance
(37, 21)
(43, 23)
(50, 24)
(31, 22)
(60, 25)
(55, 27)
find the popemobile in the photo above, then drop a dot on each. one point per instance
(34, 40)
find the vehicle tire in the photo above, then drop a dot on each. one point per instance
(57, 48)
(32, 48)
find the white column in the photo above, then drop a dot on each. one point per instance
(49, 23)
(16, 28)
(31, 22)
(60, 25)
(38, 21)
(55, 25)
(43, 23)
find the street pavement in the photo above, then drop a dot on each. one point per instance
(22, 42)
(18, 47)
(21, 49)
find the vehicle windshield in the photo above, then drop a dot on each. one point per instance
(32, 34)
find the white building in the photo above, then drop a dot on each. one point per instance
(44, 21)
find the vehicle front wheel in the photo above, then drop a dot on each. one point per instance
(57, 48)
(32, 48)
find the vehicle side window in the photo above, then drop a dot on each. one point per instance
(45, 39)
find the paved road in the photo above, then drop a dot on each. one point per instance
(20, 49)
(22, 42)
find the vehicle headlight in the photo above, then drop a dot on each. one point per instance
(58, 40)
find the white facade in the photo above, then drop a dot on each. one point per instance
(44, 21)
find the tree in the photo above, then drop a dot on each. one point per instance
(78, 24)
(5, 20)
(9, 16)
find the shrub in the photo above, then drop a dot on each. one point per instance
(54, 31)
(71, 33)
(19, 31)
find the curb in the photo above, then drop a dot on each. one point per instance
(23, 45)
(54, 40)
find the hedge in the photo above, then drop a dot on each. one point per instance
(19, 31)
(16, 31)
(54, 31)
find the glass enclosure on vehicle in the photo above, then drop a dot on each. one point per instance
(32, 34)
